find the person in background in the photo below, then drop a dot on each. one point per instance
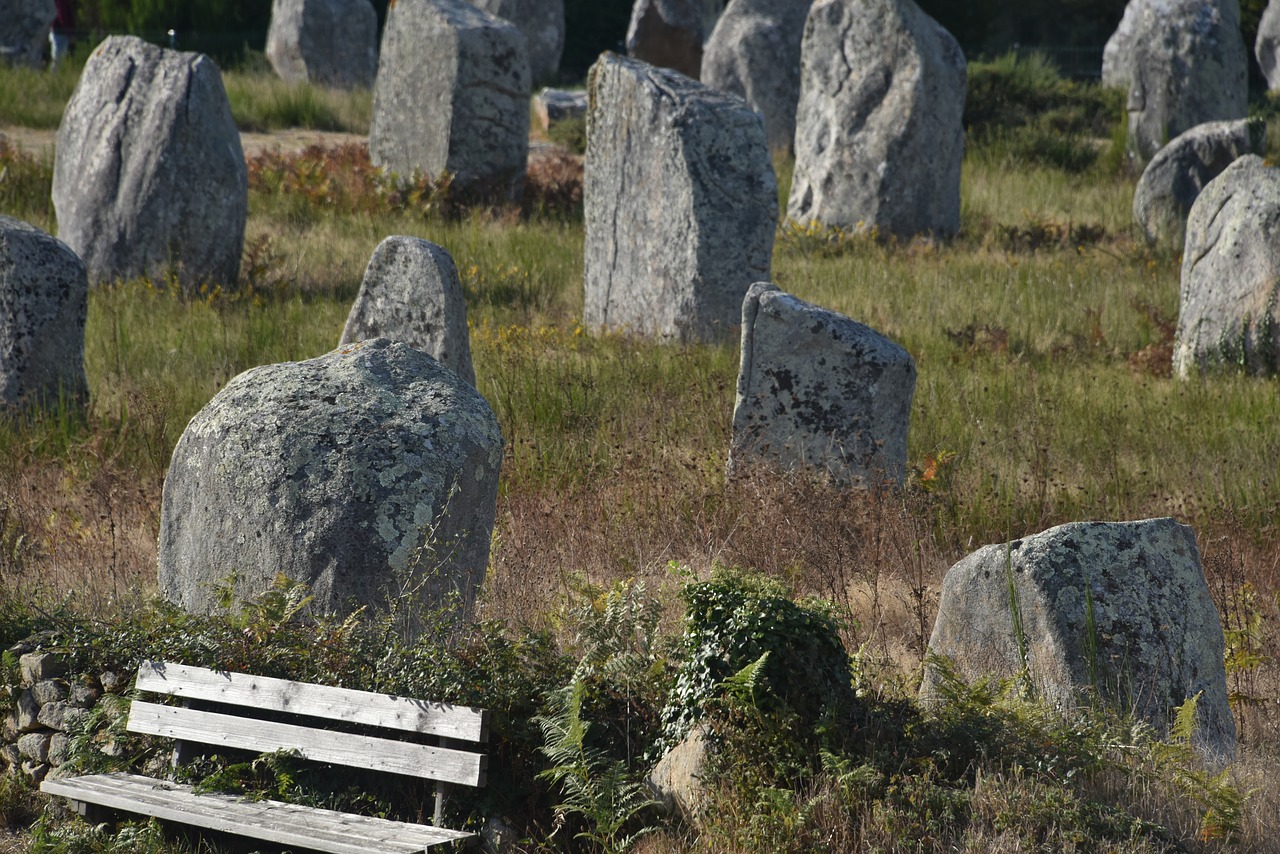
(60, 34)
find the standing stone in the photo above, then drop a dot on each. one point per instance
(1117, 610)
(1229, 317)
(754, 52)
(149, 176)
(360, 473)
(1267, 45)
(411, 293)
(329, 42)
(1117, 54)
(1179, 171)
(24, 31)
(680, 203)
(668, 34)
(452, 95)
(542, 23)
(1186, 64)
(44, 299)
(817, 390)
(879, 137)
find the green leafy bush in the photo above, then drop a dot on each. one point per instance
(739, 620)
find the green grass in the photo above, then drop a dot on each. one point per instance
(263, 102)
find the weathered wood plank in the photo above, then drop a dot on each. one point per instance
(319, 745)
(302, 698)
(285, 824)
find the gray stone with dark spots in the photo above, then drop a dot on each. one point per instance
(411, 293)
(44, 298)
(818, 391)
(1117, 610)
(452, 95)
(361, 473)
(680, 202)
(879, 136)
(24, 31)
(149, 177)
(1183, 63)
(1266, 47)
(1229, 303)
(1179, 171)
(754, 52)
(542, 24)
(668, 34)
(327, 42)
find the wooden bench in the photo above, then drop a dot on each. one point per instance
(364, 730)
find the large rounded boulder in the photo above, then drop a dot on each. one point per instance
(363, 473)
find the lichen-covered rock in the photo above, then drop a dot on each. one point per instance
(879, 137)
(329, 42)
(1229, 313)
(542, 23)
(817, 390)
(754, 52)
(44, 299)
(1179, 171)
(360, 473)
(38, 666)
(676, 781)
(452, 95)
(149, 177)
(28, 712)
(411, 293)
(668, 34)
(1117, 610)
(34, 746)
(1266, 47)
(1183, 63)
(1117, 54)
(24, 31)
(680, 203)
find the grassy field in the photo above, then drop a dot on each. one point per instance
(1042, 336)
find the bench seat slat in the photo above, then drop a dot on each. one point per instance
(362, 707)
(318, 745)
(285, 824)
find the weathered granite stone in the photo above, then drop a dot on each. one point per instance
(24, 31)
(1117, 54)
(1184, 64)
(411, 293)
(54, 715)
(1179, 171)
(36, 667)
(676, 781)
(879, 137)
(819, 391)
(452, 95)
(1229, 314)
(553, 106)
(59, 748)
(357, 472)
(44, 299)
(149, 177)
(49, 691)
(754, 52)
(329, 42)
(83, 695)
(1266, 47)
(9, 727)
(34, 746)
(542, 24)
(111, 682)
(1117, 610)
(668, 34)
(680, 203)
(10, 756)
(37, 771)
(28, 710)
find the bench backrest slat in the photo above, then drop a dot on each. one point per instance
(319, 745)
(463, 723)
